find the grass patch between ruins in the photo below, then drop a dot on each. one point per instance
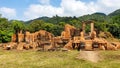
(58, 59)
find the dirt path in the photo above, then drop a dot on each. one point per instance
(92, 56)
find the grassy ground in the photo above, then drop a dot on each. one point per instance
(36, 59)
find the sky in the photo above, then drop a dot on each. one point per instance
(31, 9)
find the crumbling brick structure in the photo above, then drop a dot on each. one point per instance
(68, 31)
(31, 40)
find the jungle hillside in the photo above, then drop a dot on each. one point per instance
(106, 23)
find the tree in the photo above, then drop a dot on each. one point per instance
(114, 29)
(101, 26)
(5, 36)
(17, 26)
(4, 24)
(115, 19)
(76, 23)
(48, 27)
(36, 25)
(5, 30)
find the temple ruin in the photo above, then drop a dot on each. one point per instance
(71, 38)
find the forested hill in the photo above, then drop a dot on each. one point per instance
(57, 19)
(115, 13)
(107, 23)
(98, 16)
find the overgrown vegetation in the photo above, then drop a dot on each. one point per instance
(36, 59)
(107, 23)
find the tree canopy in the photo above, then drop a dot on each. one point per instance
(107, 23)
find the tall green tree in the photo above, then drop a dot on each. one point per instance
(5, 30)
(17, 26)
(36, 25)
(4, 24)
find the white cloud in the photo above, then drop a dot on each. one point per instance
(44, 2)
(8, 12)
(70, 8)
(110, 3)
(76, 7)
(108, 6)
(35, 11)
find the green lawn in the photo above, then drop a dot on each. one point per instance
(37, 59)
